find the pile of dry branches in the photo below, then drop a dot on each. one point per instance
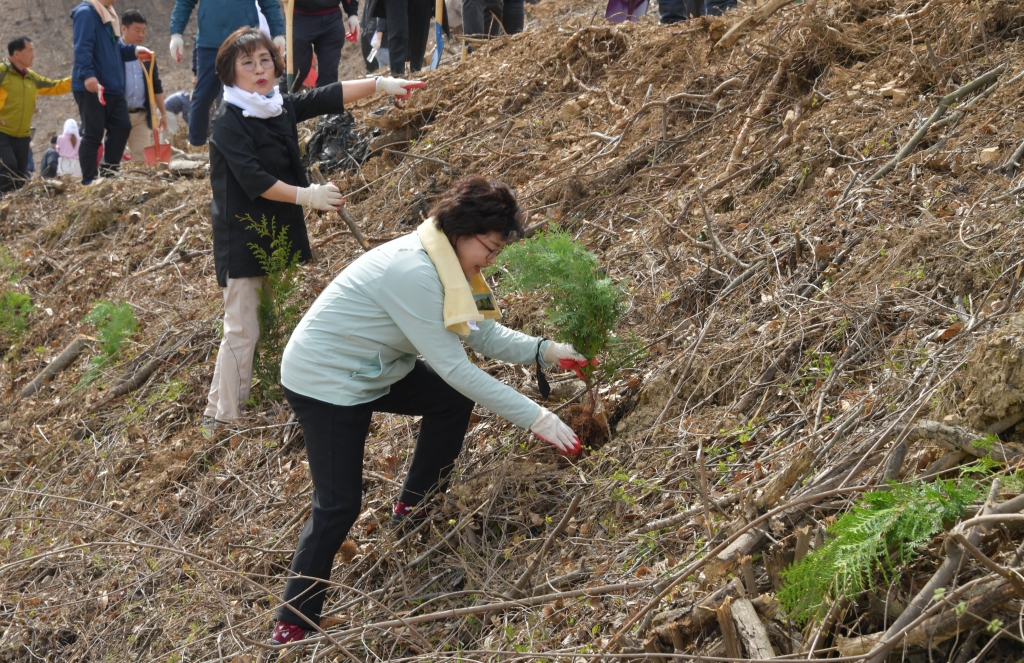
(816, 210)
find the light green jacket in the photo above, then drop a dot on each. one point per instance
(366, 328)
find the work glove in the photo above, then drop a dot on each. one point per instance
(280, 43)
(319, 196)
(399, 88)
(177, 47)
(550, 428)
(376, 39)
(567, 358)
(143, 53)
(352, 23)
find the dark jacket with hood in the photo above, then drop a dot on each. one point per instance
(248, 155)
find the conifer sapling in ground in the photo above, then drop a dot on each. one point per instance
(583, 307)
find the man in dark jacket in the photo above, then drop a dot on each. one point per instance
(97, 81)
(318, 26)
(217, 20)
(136, 91)
(50, 159)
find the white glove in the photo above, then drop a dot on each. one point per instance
(143, 53)
(177, 47)
(319, 196)
(352, 22)
(550, 428)
(556, 351)
(280, 43)
(397, 87)
(375, 40)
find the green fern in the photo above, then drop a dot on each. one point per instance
(278, 310)
(114, 324)
(884, 530)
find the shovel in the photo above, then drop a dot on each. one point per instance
(621, 10)
(438, 34)
(157, 153)
(288, 8)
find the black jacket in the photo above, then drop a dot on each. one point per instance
(248, 156)
(351, 6)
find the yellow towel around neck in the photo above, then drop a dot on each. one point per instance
(464, 302)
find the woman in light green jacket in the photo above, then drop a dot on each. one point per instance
(357, 351)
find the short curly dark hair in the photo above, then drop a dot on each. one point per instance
(244, 41)
(477, 206)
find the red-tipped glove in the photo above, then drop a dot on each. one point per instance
(99, 92)
(399, 88)
(567, 358)
(550, 428)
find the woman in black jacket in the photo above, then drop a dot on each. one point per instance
(256, 174)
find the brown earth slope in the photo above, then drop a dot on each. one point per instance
(806, 317)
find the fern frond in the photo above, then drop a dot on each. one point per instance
(884, 530)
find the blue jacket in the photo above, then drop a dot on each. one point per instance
(219, 18)
(98, 52)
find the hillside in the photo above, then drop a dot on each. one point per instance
(823, 268)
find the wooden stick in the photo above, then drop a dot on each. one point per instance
(752, 632)
(349, 221)
(520, 585)
(944, 104)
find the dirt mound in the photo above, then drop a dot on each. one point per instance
(800, 307)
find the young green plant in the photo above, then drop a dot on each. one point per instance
(583, 304)
(278, 310)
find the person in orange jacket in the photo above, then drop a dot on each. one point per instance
(19, 86)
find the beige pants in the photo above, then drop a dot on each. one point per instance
(232, 376)
(140, 138)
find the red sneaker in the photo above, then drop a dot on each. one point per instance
(402, 511)
(285, 633)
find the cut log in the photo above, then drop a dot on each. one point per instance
(730, 636)
(939, 628)
(682, 623)
(783, 481)
(749, 542)
(63, 360)
(959, 438)
(752, 632)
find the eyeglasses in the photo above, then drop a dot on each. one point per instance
(250, 65)
(493, 252)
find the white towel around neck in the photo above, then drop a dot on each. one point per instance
(253, 104)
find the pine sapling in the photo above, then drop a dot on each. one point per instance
(583, 304)
(114, 323)
(278, 310)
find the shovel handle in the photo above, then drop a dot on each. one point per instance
(346, 217)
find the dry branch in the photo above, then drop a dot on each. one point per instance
(62, 361)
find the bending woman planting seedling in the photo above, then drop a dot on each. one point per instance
(355, 353)
(256, 175)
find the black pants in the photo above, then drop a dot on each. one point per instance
(207, 90)
(13, 162)
(492, 18)
(335, 436)
(676, 11)
(408, 30)
(98, 119)
(324, 35)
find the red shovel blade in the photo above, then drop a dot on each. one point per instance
(158, 152)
